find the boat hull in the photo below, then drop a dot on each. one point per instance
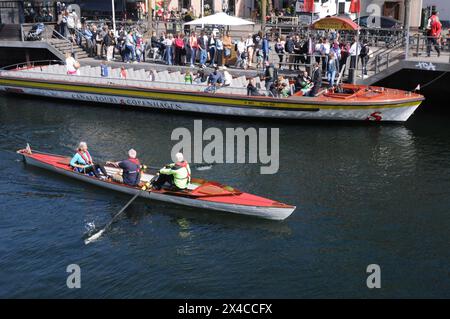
(304, 108)
(272, 213)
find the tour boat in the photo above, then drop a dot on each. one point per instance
(199, 194)
(168, 91)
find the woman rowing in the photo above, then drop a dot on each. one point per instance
(82, 162)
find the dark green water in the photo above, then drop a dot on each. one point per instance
(366, 194)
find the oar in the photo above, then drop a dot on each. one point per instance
(200, 167)
(107, 226)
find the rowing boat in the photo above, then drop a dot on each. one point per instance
(200, 193)
(168, 91)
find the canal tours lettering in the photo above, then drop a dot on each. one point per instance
(126, 101)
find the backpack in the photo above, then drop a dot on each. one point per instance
(179, 43)
(279, 48)
(364, 50)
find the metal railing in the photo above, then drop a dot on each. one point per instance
(421, 45)
(132, 83)
(30, 64)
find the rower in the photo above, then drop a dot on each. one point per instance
(82, 163)
(131, 170)
(177, 175)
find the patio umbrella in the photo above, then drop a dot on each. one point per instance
(220, 18)
(336, 23)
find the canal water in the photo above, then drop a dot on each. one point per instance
(366, 194)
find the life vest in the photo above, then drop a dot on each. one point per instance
(86, 157)
(138, 163)
(184, 165)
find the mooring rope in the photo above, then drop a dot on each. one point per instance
(435, 79)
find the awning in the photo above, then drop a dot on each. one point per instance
(336, 23)
(220, 18)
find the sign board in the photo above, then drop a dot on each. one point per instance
(300, 6)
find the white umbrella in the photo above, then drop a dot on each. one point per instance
(220, 18)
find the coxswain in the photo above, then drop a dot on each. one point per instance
(82, 162)
(177, 175)
(131, 170)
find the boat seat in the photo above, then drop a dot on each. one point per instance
(64, 161)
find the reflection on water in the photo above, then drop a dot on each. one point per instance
(364, 194)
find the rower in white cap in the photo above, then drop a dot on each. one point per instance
(177, 175)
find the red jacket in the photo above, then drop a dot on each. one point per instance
(435, 26)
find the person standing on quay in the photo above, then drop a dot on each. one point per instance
(193, 45)
(108, 40)
(331, 69)
(179, 46)
(227, 44)
(203, 46)
(434, 28)
(219, 50)
(250, 49)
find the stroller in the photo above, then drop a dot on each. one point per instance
(242, 60)
(36, 31)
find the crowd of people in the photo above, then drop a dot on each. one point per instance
(204, 49)
(294, 52)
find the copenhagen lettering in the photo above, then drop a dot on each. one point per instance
(126, 101)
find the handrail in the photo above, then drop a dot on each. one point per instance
(6, 68)
(124, 80)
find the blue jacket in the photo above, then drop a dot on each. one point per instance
(265, 45)
(130, 172)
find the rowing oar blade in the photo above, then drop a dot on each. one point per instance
(107, 226)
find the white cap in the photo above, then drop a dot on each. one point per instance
(132, 153)
(179, 157)
(82, 145)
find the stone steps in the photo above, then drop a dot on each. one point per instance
(64, 46)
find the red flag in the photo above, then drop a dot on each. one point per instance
(308, 6)
(355, 6)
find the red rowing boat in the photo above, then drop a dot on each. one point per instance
(200, 193)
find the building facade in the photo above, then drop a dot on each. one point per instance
(394, 9)
(136, 9)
